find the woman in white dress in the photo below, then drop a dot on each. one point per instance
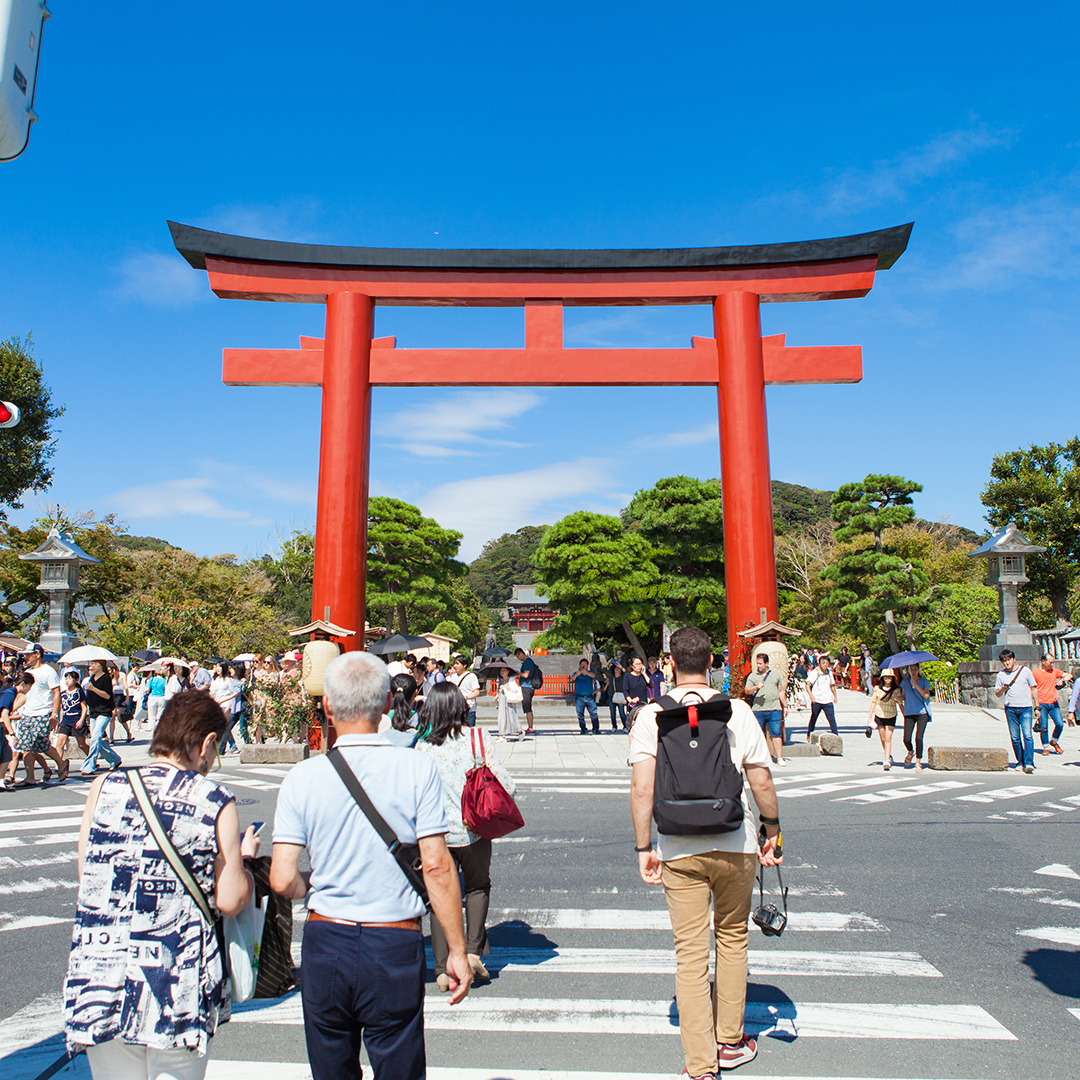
(510, 697)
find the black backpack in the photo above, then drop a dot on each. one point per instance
(536, 676)
(697, 788)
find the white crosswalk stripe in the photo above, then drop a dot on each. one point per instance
(904, 792)
(642, 919)
(840, 1020)
(998, 794)
(662, 962)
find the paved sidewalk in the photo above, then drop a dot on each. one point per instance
(558, 743)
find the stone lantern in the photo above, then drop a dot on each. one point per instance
(60, 558)
(1006, 554)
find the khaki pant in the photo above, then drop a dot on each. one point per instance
(722, 882)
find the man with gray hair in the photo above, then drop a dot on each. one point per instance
(363, 950)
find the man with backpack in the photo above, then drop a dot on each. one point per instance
(690, 752)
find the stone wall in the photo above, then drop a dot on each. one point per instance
(977, 683)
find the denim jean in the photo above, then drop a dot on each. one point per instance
(622, 715)
(99, 744)
(1046, 713)
(830, 715)
(583, 702)
(1020, 734)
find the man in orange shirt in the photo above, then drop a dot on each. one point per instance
(1046, 681)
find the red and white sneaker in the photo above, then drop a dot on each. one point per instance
(731, 1057)
(684, 1075)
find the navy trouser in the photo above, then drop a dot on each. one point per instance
(830, 715)
(363, 980)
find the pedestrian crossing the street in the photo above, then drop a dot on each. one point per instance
(596, 971)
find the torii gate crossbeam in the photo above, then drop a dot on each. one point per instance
(347, 363)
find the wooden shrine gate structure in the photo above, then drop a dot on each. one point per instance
(347, 363)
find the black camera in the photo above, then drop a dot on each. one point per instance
(770, 919)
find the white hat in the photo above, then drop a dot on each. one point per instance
(887, 671)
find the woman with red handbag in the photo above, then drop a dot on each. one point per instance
(456, 754)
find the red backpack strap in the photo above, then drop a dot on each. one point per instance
(472, 738)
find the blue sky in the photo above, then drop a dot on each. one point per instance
(555, 125)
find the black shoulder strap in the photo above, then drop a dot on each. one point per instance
(402, 856)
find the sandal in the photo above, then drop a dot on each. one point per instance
(908, 757)
(46, 774)
(63, 770)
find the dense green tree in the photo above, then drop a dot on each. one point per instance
(796, 507)
(24, 609)
(463, 607)
(448, 628)
(599, 576)
(682, 520)
(870, 582)
(292, 573)
(959, 622)
(1039, 489)
(410, 563)
(193, 606)
(503, 563)
(26, 449)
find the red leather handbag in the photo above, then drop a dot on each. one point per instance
(487, 808)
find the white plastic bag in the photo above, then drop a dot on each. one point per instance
(243, 935)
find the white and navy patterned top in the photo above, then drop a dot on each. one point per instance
(144, 965)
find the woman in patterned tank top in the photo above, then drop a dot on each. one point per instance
(146, 986)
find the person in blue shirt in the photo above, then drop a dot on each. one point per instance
(73, 714)
(585, 686)
(7, 755)
(917, 691)
(528, 666)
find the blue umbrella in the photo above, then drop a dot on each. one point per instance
(903, 659)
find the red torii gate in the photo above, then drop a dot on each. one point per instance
(348, 362)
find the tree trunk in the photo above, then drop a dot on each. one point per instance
(402, 620)
(1059, 599)
(635, 641)
(890, 626)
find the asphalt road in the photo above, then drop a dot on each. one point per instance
(934, 933)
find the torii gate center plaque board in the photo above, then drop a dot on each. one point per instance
(347, 363)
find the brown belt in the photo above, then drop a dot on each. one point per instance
(401, 924)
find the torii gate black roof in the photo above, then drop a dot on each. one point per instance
(195, 244)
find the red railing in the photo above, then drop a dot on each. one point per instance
(554, 686)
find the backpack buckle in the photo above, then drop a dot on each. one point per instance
(691, 715)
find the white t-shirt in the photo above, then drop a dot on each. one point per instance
(397, 667)
(222, 690)
(747, 745)
(821, 684)
(172, 687)
(1018, 696)
(40, 699)
(468, 683)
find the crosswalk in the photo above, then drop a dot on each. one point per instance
(557, 969)
(839, 787)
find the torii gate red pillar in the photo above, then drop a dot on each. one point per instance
(344, 455)
(745, 476)
(738, 361)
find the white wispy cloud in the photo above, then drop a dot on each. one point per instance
(486, 506)
(161, 280)
(1035, 239)
(707, 433)
(187, 497)
(891, 179)
(293, 219)
(626, 328)
(458, 424)
(243, 479)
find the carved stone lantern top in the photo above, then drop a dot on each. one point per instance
(1006, 553)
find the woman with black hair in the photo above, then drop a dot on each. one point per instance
(443, 717)
(399, 725)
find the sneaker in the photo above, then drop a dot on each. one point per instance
(1045, 751)
(731, 1057)
(782, 762)
(702, 1076)
(1029, 768)
(7, 784)
(1057, 749)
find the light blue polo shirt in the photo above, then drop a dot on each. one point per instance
(353, 875)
